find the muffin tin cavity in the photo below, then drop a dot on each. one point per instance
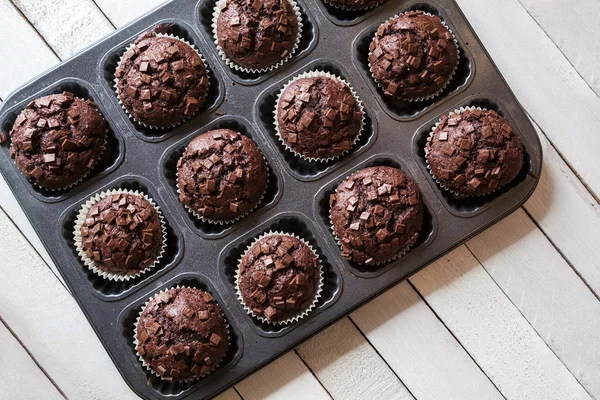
(169, 173)
(215, 89)
(127, 321)
(307, 42)
(426, 235)
(302, 169)
(287, 223)
(461, 205)
(343, 17)
(115, 290)
(109, 160)
(401, 109)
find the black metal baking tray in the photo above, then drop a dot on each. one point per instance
(204, 255)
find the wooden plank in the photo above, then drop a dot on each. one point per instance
(547, 85)
(121, 12)
(574, 29)
(21, 378)
(24, 54)
(566, 212)
(420, 350)
(285, 378)
(493, 331)
(347, 365)
(546, 291)
(67, 25)
(51, 325)
(228, 395)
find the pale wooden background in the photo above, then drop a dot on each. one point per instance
(513, 314)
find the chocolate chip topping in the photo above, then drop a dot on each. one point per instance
(475, 152)
(257, 33)
(279, 277)
(355, 4)
(161, 80)
(222, 175)
(57, 139)
(376, 213)
(182, 334)
(413, 55)
(122, 234)
(318, 117)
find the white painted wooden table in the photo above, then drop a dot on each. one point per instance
(514, 313)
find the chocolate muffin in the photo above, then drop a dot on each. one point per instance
(181, 334)
(279, 278)
(355, 4)
(121, 235)
(257, 34)
(413, 55)
(318, 117)
(57, 139)
(474, 152)
(161, 81)
(376, 213)
(222, 175)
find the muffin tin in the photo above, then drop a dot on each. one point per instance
(205, 256)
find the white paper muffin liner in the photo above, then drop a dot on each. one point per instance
(301, 313)
(231, 221)
(78, 181)
(91, 264)
(233, 65)
(315, 74)
(398, 255)
(341, 7)
(431, 96)
(430, 137)
(149, 368)
(187, 118)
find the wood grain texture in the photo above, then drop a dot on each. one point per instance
(21, 379)
(493, 331)
(543, 80)
(348, 366)
(573, 27)
(420, 350)
(569, 215)
(20, 42)
(546, 291)
(285, 378)
(67, 25)
(121, 12)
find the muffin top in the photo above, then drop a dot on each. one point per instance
(376, 213)
(318, 117)
(222, 175)
(182, 334)
(161, 81)
(413, 55)
(122, 234)
(257, 34)
(355, 4)
(474, 152)
(279, 277)
(57, 139)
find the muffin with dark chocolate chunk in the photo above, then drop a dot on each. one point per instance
(376, 215)
(119, 234)
(181, 334)
(256, 35)
(354, 4)
(57, 139)
(474, 152)
(318, 116)
(279, 278)
(161, 80)
(221, 176)
(413, 56)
